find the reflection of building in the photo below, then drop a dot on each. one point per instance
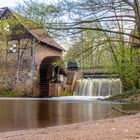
(28, 44)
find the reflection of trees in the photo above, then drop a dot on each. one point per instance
(57, 113)
(47, 113)
(130, 107)
(16, 115)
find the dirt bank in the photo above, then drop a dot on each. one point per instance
(123, 128)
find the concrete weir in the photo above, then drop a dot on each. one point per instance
(98, 87)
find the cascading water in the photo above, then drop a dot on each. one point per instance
(97, 87)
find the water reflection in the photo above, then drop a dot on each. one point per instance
(20, 114)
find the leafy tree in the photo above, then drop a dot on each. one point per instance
(39, 12)
(118, 24)
(6, 26)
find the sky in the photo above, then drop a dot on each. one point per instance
(14, 3)
(9, 3)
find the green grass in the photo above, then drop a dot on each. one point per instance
(127, 94)
(67, 94)
(9, 94)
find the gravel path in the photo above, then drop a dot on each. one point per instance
(123, 128)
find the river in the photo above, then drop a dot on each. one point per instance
(28, 113)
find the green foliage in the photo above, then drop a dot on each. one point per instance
(5, 92)
(67, 94)
(125, 94)
(5, 30)
(90, 52)
(39, 11)
(10, 94)
(102, 38)
(10, 26)
(111, 57)
(126, 65)
(27, 22)
(81, 49)
(59, 62)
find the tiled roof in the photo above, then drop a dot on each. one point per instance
(2, 10)
(41, 35)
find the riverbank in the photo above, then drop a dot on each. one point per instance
(132, 96)
(122, 128)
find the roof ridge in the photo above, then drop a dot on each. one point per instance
(2, 11)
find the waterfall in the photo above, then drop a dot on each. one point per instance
(97, 87)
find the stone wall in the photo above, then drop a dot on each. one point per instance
(72, 77)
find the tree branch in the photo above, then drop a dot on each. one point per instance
(128, 3)
(94, 29)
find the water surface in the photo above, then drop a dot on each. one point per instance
(21, 113)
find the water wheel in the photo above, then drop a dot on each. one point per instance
(46, 74)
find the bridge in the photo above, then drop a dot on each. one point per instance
(99, 72)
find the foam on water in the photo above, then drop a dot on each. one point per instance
(80, 98)
(62, 98)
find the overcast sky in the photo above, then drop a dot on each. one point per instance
(14, 3)
(9, 3)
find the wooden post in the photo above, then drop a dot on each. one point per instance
(33, 62)
(6, 53)
(18, 49)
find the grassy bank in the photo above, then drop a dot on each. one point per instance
(128, 96)
(7, 91)
(9, 94)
